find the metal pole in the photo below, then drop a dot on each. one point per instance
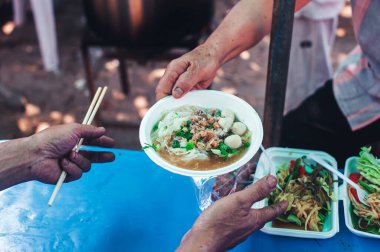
(279, 52)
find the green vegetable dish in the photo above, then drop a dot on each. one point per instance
(366, 218)
(199, 138)
(309, 190)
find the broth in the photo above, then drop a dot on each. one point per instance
(212, 163)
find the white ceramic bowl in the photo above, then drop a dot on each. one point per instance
(284, 155)
(207, 99)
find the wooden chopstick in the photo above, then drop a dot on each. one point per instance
(90, 115)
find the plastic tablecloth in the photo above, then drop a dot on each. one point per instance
(127, 205)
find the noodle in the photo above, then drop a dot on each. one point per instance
(308, 194)
(314, 221)
(369, 215)
(199, 138)
(367, 218)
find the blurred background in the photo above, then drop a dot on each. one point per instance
(54, 52)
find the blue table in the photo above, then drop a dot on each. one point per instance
(128, 205)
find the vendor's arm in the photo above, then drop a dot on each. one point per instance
(243, 27)
(44, 155)
(246, 24)
(231, 219)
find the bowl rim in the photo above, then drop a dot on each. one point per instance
(254, 147)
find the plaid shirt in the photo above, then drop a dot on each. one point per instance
(357, 80)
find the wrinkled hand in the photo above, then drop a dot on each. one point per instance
(233, 182)
(53, 151)
(193, 70)
(231, 220)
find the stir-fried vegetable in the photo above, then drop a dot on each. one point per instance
(366, 218)
(308, 191)
(366, 186)
(368, 166)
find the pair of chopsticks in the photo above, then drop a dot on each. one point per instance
(89, 117)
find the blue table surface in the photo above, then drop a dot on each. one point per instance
(127, 205)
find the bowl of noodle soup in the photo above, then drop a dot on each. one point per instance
(206, 133)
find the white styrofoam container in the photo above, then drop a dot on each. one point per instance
(279, 156)
(351, 167)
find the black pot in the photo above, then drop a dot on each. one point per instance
(148, 22)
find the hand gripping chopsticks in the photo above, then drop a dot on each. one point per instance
(91, 112)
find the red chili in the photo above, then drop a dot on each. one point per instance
(302, 170)
(355, 177)
(355, 194)
(291, 165)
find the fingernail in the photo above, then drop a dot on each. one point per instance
(271, 181)
(101, 129)
(178, 91)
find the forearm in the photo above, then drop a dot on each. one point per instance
(15, 162)
(244, 26)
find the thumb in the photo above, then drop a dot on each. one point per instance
(172, 72)
(89, 131)
(186, 81)
(269, 213)
(258, 191)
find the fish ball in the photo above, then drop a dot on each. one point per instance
(233, 141)
(228, 114)
(239, 128)
(226, 123)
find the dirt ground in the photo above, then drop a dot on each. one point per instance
(54, 98)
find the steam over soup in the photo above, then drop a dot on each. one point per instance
(199, 138)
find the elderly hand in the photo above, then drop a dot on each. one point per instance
(231, 220)
(233, 182)
(193, 70)
(53, 151)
